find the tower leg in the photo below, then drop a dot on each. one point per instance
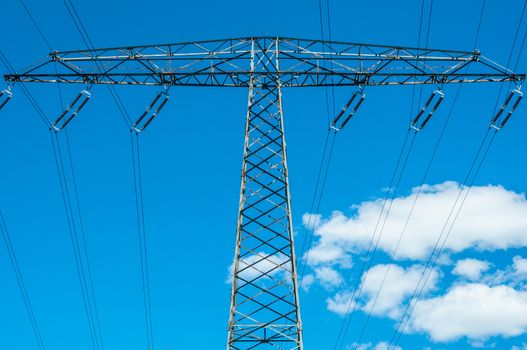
(264, 310)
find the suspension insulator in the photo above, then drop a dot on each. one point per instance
(71, 110)
(506, 110)
(5, 96)
(356, 100)
(151, 112)
(429, 108)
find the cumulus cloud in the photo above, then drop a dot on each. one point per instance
(255, 265)
(492, 218)
(475, 311)
(307, 282)
(341, 303)
(370, 346)
(471, 269)
(399, 284)
(514, 275)
(520, 267)
(328, 277)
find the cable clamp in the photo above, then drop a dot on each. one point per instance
(71, 110)
(499, 120)
(428, 110)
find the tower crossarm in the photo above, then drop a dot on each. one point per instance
(303, 63)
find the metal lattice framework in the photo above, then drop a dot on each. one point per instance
(264, 312)
(302, 63)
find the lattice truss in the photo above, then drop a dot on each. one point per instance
(264, 312)
(264, 303)
(303, 63)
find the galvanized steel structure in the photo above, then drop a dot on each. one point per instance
(265, 312)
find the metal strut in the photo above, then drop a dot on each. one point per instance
(264, 311)
(71, 110)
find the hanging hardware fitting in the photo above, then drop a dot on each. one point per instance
(436, 96)
(160, 101)
(5, 96)
(358, 98)
(499, 120)
(71, 110)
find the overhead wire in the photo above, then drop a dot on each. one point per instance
(20, 282)
(79, 246)
(443, 237)
(91, 47)
(137, 173)
(327, 154)
(80, 264)
(465, 189)
(141, 231)
(35, 23)
(512, 51)
(383, 214)
(27, 93)
(420, 187)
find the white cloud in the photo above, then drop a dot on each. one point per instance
(311, 221)
(341, 303)
(328, 277)
(399, 284)
(520, 267)
(492, 218)
(475, 311)
(523, 346)
(471, 269)
(255, 265)
(369, 346)
(307, 282)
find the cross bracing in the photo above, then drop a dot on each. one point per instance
(226, 63)
(265, 311)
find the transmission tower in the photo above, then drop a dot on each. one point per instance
(264, 311)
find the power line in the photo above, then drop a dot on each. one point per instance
(89, 45)
(436, 251)
(397, 175)
(20, 281)
(512, 51)
(44, 38)
(26, 92)
(439, 246)
(430, 162)
(323, 170)
(81, 265)
(375, 240)
(141, 231)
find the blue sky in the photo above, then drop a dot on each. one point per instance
(191, 158)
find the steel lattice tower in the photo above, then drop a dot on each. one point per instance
(264, 312)
(264, 301)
